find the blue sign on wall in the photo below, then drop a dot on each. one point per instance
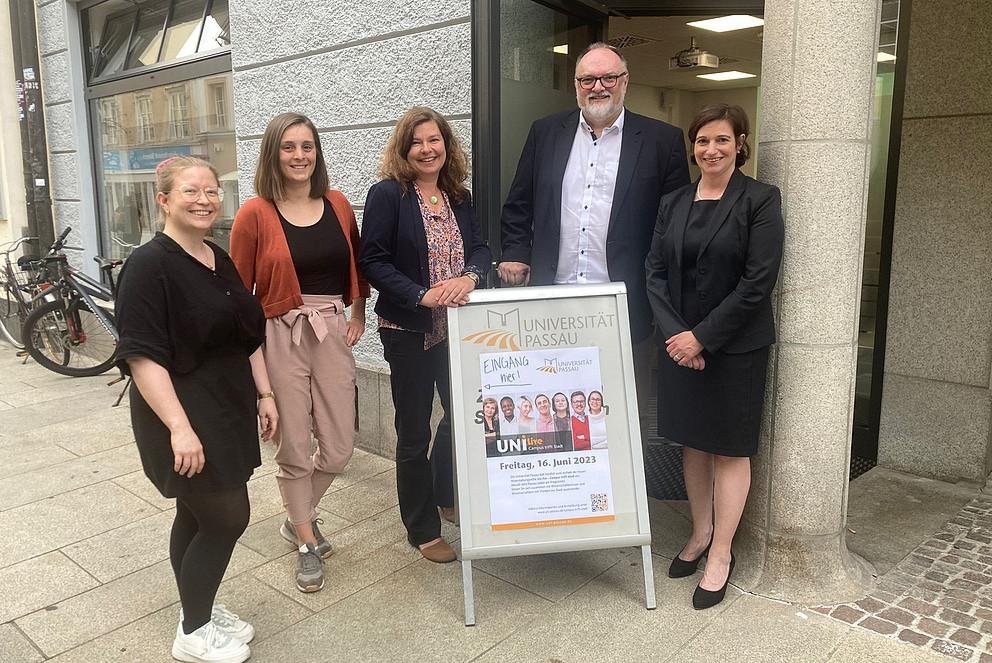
(146, 158)
(111, 160)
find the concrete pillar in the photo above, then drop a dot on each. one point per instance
(818, 70)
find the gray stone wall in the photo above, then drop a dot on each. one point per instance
(70, 173)
(936, 399)
(353, 68)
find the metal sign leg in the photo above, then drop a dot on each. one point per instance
(470, 593)
(648, 565)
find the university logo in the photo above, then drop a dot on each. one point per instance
(503, 331)
(550, 366)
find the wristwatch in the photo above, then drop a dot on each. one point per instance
(472, 275)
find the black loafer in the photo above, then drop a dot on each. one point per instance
(704, 598)
(680, 568)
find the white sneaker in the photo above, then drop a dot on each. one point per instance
(229, 623)
(208, 644)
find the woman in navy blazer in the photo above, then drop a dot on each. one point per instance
(713, 263)
(422, 249)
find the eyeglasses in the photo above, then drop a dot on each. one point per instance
(608, 81)
(191, 194)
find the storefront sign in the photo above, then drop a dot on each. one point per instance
(545, 425)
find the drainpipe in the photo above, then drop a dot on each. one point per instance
(34, 148)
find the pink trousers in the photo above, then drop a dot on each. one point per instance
(312, 371)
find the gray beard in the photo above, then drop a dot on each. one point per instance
(601, 112)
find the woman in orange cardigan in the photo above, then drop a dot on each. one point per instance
(296, 245)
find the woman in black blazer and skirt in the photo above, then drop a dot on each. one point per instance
(713, 263)
(422, 249)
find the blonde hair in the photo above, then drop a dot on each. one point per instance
(395, 166)
(169, 169)
(269, 182)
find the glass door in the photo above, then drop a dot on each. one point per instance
(524, 63)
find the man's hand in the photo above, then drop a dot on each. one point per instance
(514, 273)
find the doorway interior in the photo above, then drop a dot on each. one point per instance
(524, 64)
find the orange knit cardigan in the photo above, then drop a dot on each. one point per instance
(261, 254)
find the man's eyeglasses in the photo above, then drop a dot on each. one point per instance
(191, 194)
(608, 81)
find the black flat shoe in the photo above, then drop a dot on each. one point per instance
(704, 598)
(680, 568)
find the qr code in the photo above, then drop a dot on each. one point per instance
(599, 502)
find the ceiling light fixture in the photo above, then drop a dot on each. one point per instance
(561, 48)
(728, 23)
(726, 75)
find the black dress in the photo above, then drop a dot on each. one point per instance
(718, 409)
(201, 326)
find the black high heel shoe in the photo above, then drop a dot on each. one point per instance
(704, 598)
(681, 568)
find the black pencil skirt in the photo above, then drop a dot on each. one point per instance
(718, 409)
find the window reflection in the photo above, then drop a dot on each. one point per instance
(129, 34)
(141, 128)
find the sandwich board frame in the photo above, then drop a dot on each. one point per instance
(516, 342)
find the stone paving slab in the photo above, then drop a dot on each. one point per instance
(137, 484)
(124, 550)
(66, 518)
(39, 582)
(15, 647)
(106, 428)
(25, 454)
(553, 576)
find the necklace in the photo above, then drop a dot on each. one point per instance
(433, 200)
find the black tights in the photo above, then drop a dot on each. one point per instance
(204, 532)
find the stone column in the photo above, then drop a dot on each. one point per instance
(818, 71)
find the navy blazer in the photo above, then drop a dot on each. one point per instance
(737, 266)
(652, 163)
(393, 255)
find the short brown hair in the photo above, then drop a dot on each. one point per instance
(269, 182)
(394, 160)
(168, 170)
(731, 113)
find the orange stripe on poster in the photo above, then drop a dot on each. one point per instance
(554, 523)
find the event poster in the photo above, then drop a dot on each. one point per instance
(543, 423)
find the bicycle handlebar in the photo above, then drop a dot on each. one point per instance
(17, 243)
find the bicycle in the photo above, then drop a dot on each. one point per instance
(74, 334)
(20, 283)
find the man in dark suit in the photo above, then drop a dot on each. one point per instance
(583, 203)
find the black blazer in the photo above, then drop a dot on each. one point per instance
(737, 266)
(393, 255)
(652, 163)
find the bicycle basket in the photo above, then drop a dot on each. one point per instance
(30, 270)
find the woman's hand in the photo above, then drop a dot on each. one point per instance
(268, 418)
(187, 450)
(454, 291)
(683, 347)
(354, 330)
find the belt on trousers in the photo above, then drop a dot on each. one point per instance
(311, 314)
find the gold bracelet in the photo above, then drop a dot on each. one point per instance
(268, 394)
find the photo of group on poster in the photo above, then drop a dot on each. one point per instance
(575, 421)
(543, 422)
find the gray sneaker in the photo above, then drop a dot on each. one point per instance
(309, 569)
(324, 547)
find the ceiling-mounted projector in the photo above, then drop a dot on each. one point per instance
(693, 58)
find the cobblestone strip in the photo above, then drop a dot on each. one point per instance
(940, 595)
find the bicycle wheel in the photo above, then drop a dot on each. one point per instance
(12, 317)
(70, 341)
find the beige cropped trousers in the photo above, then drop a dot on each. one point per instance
(312, 371)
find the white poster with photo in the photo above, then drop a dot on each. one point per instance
(544, 428)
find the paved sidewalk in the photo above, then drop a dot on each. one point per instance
(84, 573)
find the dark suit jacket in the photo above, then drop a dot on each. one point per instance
(652, 163)
(736, 266)
(393, 254)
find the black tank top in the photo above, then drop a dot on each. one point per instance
(320, 254)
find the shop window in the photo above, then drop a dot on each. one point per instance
(143, 118)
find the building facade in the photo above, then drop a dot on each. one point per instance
(884, 304)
